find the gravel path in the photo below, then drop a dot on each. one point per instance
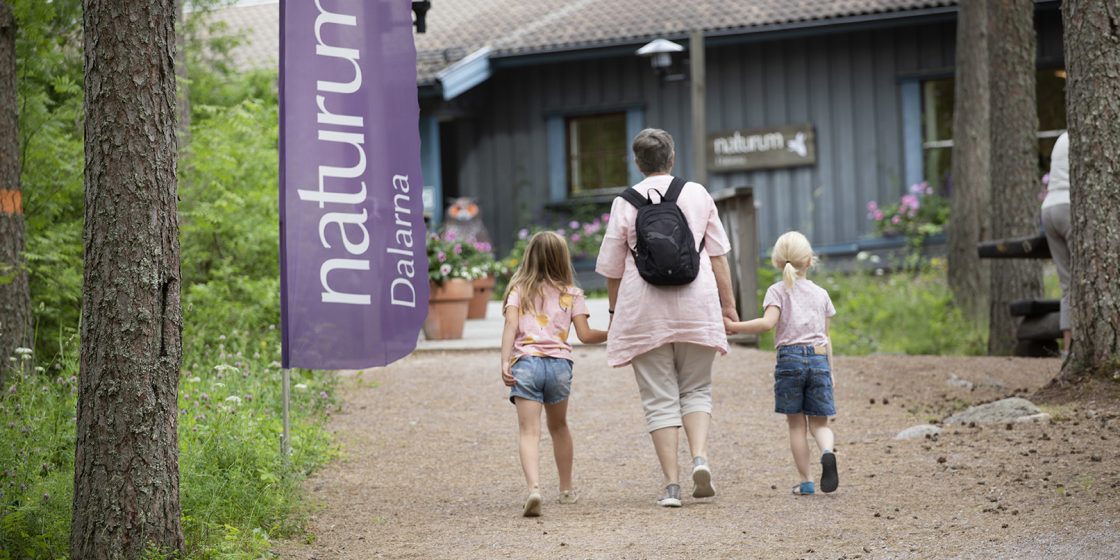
(431, 469)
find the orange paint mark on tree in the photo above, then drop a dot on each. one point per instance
(11, 202)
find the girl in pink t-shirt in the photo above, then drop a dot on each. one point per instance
(542, 303)
(801, 311)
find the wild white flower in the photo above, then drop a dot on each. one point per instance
(219, 384)
(879, 272)
(862, 256)
(875, 259)
(224, 368)
(301, 386)
(233, 399)
(39, 369)
(195, 379)
(22, 351)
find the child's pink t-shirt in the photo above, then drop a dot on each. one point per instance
(804, 310)
(544, 332)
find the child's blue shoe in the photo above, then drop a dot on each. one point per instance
(804, 489)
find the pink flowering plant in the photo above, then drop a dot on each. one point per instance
(450, 257)
(919, 214)
(584, 237)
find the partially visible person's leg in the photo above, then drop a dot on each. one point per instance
(830, 479)
(799, 444)
(1056, 223)
(696, 426)
(818, 426)
(657, 384)
(694, 374)
(562, 447)
(665, 442)
(529, 428)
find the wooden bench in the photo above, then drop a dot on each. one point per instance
(1039, 331)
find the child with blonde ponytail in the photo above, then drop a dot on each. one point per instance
(801, 311)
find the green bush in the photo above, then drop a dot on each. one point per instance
(901, 313)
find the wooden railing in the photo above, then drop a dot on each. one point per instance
(739, 216)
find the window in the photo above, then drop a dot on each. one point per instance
(937, 123)
(597, 152)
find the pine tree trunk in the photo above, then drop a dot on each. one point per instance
(15, 299)
(1014, 207)
(126, 479)
(969, 277)
(1092, 46)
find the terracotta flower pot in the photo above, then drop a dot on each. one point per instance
(447, 309)
(483, 290)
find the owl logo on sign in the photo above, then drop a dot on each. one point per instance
(464, 220)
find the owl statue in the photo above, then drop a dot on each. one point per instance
(464, 219)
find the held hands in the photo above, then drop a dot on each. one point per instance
(729, 325)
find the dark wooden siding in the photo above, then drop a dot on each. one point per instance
(845, 84)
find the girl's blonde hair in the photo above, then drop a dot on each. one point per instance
(792, 255)
(546, 262)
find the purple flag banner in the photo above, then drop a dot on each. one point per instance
(353, 265)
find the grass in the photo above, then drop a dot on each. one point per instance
(237, 492)
(898, 313)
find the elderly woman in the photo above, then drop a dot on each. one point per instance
(669, 334)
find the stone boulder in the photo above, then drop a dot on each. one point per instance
(1006, 410)
(919, 431)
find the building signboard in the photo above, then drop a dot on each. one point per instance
(764, 148)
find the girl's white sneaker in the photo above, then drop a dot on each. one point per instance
(533, 504)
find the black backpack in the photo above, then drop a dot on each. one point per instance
(666, 254)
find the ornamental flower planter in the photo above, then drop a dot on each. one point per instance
(483, 291)
(447, 309)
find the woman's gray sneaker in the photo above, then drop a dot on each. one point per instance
(702, 479)
(672, 496)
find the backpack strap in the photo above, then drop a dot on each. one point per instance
(675, 188)
(633, 197)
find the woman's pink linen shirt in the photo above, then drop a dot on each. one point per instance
(648, 316)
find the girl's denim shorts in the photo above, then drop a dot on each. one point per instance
(803, 382)
(542, 379)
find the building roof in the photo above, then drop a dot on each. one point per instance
(458, 28)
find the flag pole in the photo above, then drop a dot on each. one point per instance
(286, 438)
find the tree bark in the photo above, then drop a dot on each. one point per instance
(126, 470)
(1092, 46)
(15, 298)
(969, 277)
(1014, 207)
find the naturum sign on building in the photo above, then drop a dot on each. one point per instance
(786, 146)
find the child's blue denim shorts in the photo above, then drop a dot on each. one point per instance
(542, 379)
(803, 382)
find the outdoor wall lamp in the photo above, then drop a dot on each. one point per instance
(660, 53)
(420, 8)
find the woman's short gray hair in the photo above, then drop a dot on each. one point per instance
(653, 151)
